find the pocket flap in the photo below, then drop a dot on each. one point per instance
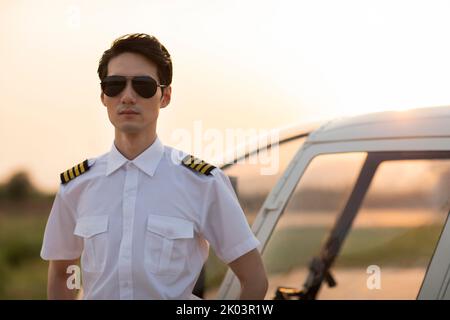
(170, 227)
(90, 226)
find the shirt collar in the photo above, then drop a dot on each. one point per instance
(147, 161)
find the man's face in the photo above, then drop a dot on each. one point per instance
(128, 111)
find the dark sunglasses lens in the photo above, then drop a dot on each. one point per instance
(144, 86)
(113, 86)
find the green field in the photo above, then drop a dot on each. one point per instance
(23, 275)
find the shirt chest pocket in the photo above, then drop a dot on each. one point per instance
(93, 230)
(167, 243)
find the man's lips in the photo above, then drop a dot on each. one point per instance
(128, 112)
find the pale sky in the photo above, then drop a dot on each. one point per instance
(237, 64)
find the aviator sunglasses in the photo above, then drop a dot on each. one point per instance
(143, 85)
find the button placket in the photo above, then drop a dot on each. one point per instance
(128, 210)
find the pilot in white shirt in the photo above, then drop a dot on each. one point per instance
(142, 227)
(142, 216)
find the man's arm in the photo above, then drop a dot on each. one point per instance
(57, 280)
(250, 271)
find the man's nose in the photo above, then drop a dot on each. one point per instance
(128, 94)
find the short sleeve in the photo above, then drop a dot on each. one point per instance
(224, 224)
(59, 241)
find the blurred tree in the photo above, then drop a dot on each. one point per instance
(19, 186)
(442, 191)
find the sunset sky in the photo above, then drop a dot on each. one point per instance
(237, 64)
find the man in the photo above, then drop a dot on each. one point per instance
(143, 215)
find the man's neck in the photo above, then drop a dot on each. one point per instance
(130, 146)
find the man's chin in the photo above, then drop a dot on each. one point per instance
(129, 129)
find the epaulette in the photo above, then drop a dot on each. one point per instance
(198, 165)
(74, 172)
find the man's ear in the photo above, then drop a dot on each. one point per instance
(102, 98)
(165, 98)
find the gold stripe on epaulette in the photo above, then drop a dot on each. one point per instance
(206, 168)
(77, 172)
(200, 166)
(187, 160)
(72, 176)
(66, 176)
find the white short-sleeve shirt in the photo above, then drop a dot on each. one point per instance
(143, 227)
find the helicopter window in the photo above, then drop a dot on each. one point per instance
(310, 213)
(388, 249)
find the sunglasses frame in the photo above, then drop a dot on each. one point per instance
(123, 82)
